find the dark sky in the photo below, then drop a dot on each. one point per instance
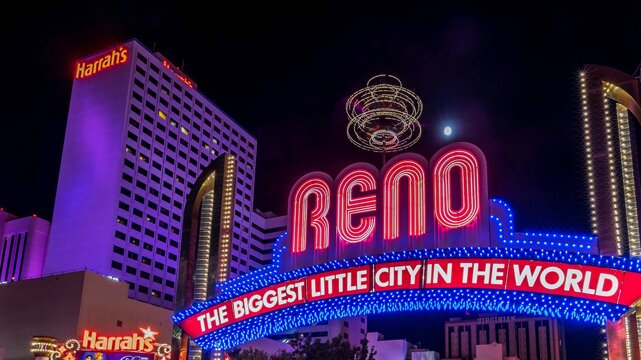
(503, 76)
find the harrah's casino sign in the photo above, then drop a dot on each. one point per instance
(414, 235)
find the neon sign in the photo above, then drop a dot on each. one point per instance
(544, 277)
(106, 61)
(94, 346)
(416, 235)
(135, 342)
(176, 72)
(366, 212)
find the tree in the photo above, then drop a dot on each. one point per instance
(305, 349)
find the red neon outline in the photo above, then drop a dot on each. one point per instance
(415, 174)
(470, 188)
(348, 206)
(318, 218)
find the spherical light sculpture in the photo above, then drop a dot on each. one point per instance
(383, 116)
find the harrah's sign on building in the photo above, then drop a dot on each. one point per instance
(101, 62)
(414, 235)
(134, 342)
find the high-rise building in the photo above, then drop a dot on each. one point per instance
(610, 103)
(23, 243)
(611, 111)
(527, 338)
(138, 136)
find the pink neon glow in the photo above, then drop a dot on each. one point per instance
(468, 164)
(348, 206)
(318, 188)
(415, 175)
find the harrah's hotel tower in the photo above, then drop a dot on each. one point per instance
(138, 136)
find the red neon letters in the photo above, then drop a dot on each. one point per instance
(413, 171)
(317, 219)
(470, 197)
(347, 206)
(391, 205)
(108, 60)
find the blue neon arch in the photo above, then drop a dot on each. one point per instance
(423, 299)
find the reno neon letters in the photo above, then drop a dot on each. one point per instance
(409, 203)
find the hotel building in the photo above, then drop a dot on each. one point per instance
(138, 136)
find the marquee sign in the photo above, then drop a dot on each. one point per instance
(416, 235)
(95, 346)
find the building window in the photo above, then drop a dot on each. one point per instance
(162, 115)
(143, 289)
(118, 323)
(147, 246)
(131, 270)
(145, 275)
(123, 206)
(132, 255)
(119, 250)
(116, 265)
(120, 235)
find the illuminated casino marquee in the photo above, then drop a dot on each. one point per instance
(101, 63)
(416, 235)
(96, 346)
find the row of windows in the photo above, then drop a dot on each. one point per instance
(132, 270)
(135, 241)
(152, 205)
(144, 275)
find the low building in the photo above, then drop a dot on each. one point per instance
(528, 338)
(65, 305)
(23, 243)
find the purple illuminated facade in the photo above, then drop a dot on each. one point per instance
(22, 246)
(138, 136)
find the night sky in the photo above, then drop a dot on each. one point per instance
(504, 78)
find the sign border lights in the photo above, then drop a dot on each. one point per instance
(505, 295)
(416, 235)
